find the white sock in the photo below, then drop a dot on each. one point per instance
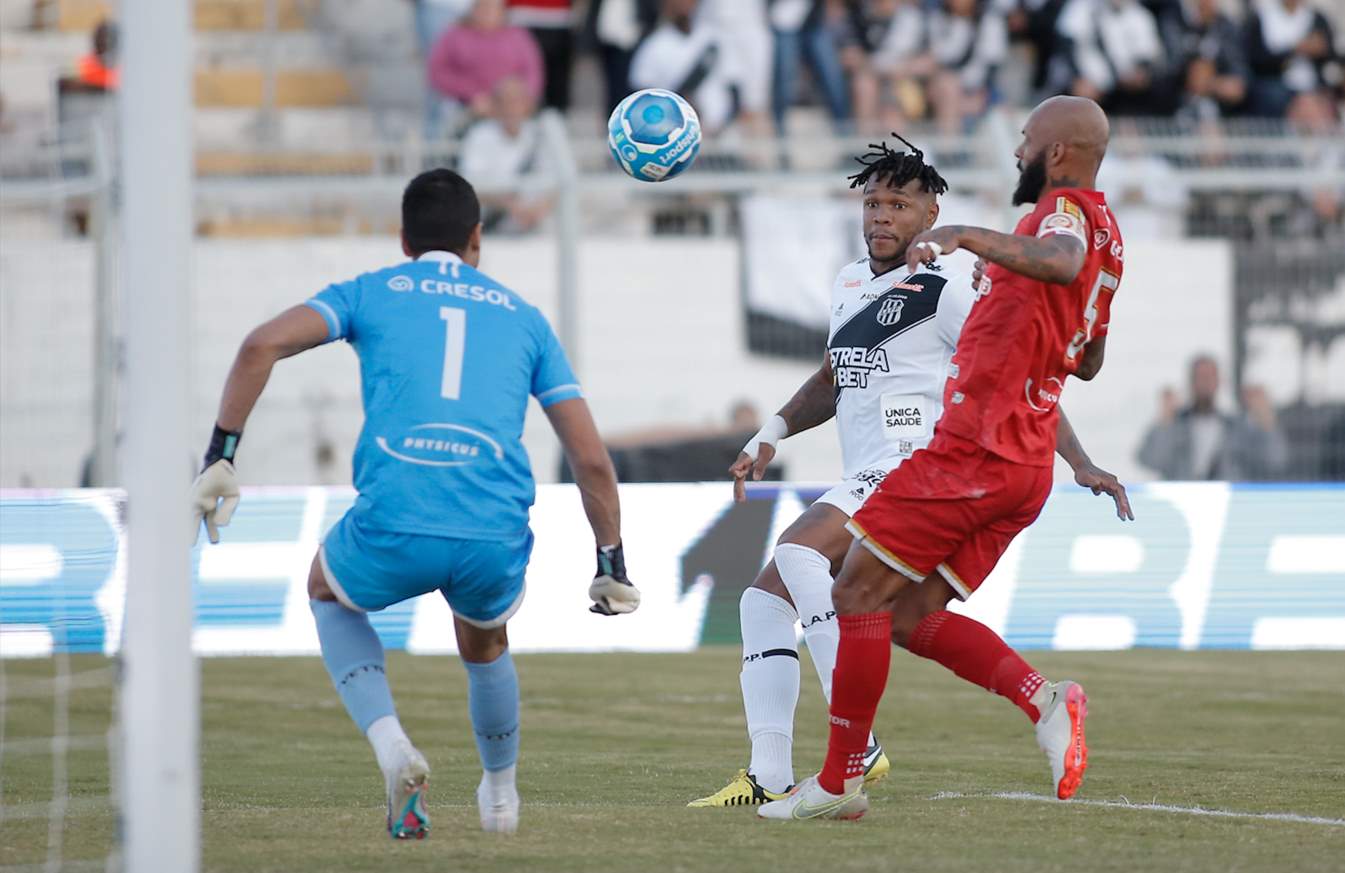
(387, 738)
(499, 782)
(807, 574)
(770, 682)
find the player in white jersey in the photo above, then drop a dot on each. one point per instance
(892, 336)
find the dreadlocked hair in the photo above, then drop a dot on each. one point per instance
(897, 168)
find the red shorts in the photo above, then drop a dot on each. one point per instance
(953, 507)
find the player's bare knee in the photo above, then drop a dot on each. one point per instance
(914, 603)
(865, 584)
(480, 645)
(318, 589)
(769, 580)
(905, 616)
(822, 529)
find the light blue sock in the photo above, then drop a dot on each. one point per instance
(354, 658)
(492, 699)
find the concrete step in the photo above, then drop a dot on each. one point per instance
(285, 226)
(298, 127)
(237, 162)
(84, 15)
(291, 48)
(242, 87)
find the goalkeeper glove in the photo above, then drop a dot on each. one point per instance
(611, 592)
(214, 494)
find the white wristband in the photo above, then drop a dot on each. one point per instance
(774, 430)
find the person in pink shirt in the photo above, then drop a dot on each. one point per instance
(469, 60)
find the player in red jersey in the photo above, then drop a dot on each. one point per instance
(937, 525)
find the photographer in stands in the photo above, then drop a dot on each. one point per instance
(1199, 442)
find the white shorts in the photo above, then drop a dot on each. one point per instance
(852, 491)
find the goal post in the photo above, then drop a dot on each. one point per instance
(160, 701)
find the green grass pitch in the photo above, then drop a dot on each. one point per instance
(615, 745)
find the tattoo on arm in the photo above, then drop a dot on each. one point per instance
(813, 404)
(1056, 258)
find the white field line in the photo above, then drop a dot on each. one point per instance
(1123, 803)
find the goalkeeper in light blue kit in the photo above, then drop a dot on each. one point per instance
(448, 359)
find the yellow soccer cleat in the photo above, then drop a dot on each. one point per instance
(876, 765)
(742, 790)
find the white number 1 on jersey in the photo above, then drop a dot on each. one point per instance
(455, 345)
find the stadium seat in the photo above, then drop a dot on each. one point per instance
(84, 15)
(245, 87)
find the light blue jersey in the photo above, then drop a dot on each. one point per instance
(448, 359)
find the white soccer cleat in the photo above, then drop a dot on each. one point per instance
(810, 800)
(1060, 735)
(407, 817)
(498, 806)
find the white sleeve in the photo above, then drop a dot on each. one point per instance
(955, 302)
(476, 157)
(647, 62)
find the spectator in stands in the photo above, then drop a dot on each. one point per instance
(1034, 21)
(470, 59)
(687, 54)
(615, 28)
(801, 34)
(969, 39)
(1199, 442)
(1290, 47)
(551, 24)
(937, 61)
(749, 47)
(1206, 49)
(744, 417)
(1110, 51)
(888, 60)
(98, 70)
(433, 17)
(1333, 456)
(683, 452)
(505, 149)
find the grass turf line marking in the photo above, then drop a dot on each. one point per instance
(1152, 807)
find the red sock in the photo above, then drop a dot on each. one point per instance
(977, 654)
(857, 684)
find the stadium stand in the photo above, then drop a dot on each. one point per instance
(309, 118)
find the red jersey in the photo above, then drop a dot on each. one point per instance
(1026, 336)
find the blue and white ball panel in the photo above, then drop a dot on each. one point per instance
(654, 135)
(370, 569)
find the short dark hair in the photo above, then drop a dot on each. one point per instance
(439, 210)
(897, 168)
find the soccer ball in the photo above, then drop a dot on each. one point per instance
(654, 135)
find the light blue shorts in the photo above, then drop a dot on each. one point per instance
(369, 569)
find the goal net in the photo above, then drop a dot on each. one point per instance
(60, 571)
